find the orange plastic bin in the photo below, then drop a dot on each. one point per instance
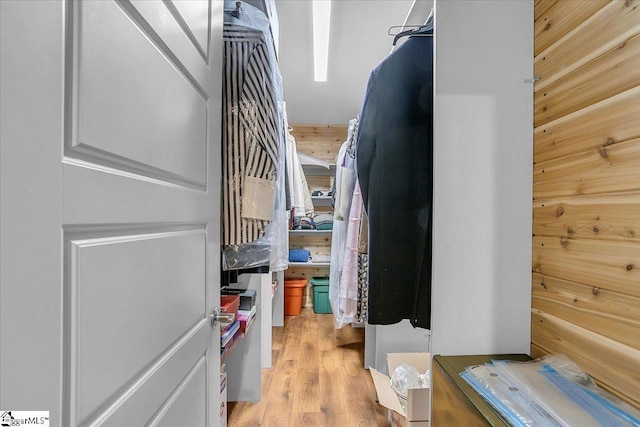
(293, 293)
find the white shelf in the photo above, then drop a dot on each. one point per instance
(321, 200)
(309, 160)
(298, 233)
(309, 264)
(317, 170)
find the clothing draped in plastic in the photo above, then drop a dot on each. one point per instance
(343, 275)
(262, 199)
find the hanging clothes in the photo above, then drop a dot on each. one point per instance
(349, 278)
(338, 241)
(363, 269)
(250, 135)
(254, 213)
(288, 195)
(394, 162)
(309, 209)
(295, 178)
(343, 283)
(345, 186)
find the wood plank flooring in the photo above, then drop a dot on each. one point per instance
(317, 379)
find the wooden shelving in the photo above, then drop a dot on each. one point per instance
(319, 145)
(310, 264)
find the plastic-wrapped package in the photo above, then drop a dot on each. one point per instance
(558, 399)
(254, 205)
(514, 405)
(601, 404)
(550, 391)
(600, 409)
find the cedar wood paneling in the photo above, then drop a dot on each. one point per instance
(323, 142)
(586, 207)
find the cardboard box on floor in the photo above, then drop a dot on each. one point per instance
(418, 400)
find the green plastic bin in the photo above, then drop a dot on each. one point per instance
(321, 295)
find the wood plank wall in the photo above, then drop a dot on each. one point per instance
(586, 207)
(323, 142)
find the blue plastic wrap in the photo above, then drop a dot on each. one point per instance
(511, 402)
(550, 391)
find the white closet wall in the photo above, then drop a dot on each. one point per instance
(482, 177)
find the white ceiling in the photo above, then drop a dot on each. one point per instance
(358, 43)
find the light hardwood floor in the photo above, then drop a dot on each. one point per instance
(317, 379)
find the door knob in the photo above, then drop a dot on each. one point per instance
(219, 316)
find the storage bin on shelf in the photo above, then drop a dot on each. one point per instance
(321, 303)
(293, 292)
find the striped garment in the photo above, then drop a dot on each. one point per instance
(250, 135)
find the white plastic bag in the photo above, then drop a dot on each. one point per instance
(406, 377)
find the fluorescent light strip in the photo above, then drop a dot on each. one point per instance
(321, 27)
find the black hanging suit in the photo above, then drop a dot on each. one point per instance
(394, 162)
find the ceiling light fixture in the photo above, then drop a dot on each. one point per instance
(321, 26)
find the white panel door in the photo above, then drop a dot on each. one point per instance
(110, 163)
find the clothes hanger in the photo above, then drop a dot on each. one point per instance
(236, 13)
(413, 30)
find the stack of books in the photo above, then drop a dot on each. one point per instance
(247, 306)
(246, 318)
(229, 337)
(245, 315)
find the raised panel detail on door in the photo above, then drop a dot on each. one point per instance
(131, 108)
(192, 13)
(185, 54)
(111, 157)
(162, 385)
(130, 298)
(179, 409)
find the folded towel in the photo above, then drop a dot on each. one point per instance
(325, 226)
(299, 255)
(323, 218)
(321, 258)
